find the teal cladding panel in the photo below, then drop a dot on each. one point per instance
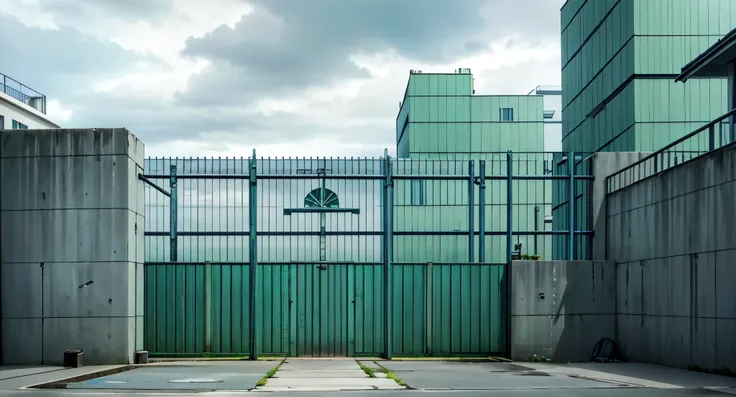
(325, 311)
(605, 44)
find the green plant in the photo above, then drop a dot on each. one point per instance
(391, 375)
(527, 257)
(269, 374)
(539, 359)
(368, 371)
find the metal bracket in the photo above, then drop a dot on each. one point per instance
(153, 185)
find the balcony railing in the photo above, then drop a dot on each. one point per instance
(23, 93)
(714, 135)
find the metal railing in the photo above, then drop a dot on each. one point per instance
(714, 135)
(23, 93)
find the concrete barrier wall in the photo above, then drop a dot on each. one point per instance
(561, 309)
(71, 248)
(673, 237)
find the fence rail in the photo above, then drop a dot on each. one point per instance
(23, 93)
(714, 135)
(351, 217)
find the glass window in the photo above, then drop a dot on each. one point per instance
(507, 114)
(418, 192)
(2, 123)
(17, 125)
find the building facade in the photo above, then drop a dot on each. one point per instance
(552, 95)
(22, 107)
(441, 119)
(619, 62)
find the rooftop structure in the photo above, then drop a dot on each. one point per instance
(22, 107)
(440, 118)
(552, 115)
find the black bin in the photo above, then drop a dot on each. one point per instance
(73, 358)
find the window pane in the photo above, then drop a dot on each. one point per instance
(506, 114)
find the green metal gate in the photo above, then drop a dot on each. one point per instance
(349, 257)
(322, 304)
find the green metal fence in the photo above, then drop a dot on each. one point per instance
(294, 256)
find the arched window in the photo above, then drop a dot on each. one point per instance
(321, 198)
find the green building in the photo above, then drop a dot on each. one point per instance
(442, 123)
(442, 119)
(620, 59)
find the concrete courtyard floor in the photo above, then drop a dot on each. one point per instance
(307, 378)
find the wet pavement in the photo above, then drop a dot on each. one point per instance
(321, 378)
(237, 375)
(383, 393)
(458, 375)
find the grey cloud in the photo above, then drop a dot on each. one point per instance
(60, 61)
(286, 45)
(135, 10)
(282, 48)
(289, 45)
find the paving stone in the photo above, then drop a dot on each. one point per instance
(308, 373)
(331, 382)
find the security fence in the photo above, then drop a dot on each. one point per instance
(349, 257)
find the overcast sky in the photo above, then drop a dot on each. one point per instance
(288, 77)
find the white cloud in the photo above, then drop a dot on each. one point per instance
(288, 114)
(57, 112)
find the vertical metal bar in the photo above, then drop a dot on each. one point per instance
(536, 228)
(387, 258)
(252, 226)
(173, 215)
(732, 100)
(208, 307)
(571, 206)
(471, 211)
(656, 157)
(509, 207)
(711, 138)
(482, 213)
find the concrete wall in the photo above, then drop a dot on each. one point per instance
(603, 165)
(71, 248)
(672, 236)
(561, 309)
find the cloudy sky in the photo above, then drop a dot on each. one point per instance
(288, 77)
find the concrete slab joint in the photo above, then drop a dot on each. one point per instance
(325, 375)
(72, 245)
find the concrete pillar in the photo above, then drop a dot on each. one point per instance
(605, 164)
(71, 248)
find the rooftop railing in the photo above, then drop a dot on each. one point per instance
(23, 93)
(712, 136)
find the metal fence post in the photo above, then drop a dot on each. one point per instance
(173, 215)
(482, 212)
(387, 257)
(252, 263)
(711, 138)
(571, 206)
(471, 211)
(509, 207)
